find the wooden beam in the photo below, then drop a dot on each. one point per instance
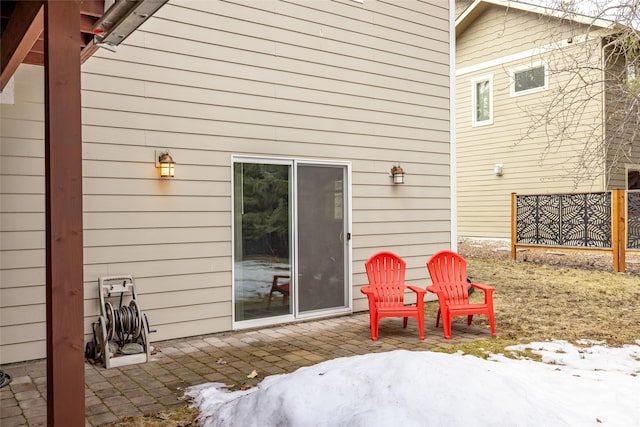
(23, 29)
(6, 10)
(89, 50)
(86, 23)
(34, 58)
(38, 46)
(63, 200)
(92, 7)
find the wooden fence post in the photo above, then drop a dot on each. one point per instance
(513, 226)
(618, 229)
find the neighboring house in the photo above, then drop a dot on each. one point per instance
(512, 61)
(284, 120)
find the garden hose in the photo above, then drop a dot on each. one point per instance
(123, 324)
(5, 379)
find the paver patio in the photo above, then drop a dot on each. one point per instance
(227, 358)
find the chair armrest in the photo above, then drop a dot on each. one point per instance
(419, 296)
(371, 297)
(367, 290)
(488, 292)
(417, 290)
(442, 297)
(433, 289)
(482, 287)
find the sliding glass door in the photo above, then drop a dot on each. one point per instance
(322, 237)
(262, 231)
(290, 240)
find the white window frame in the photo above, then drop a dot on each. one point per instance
(512, 78)
(474, 101)
(632, 70)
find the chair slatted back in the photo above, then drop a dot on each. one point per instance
(448, 271)
(385, 271)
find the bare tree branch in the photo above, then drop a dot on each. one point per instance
(593, 106)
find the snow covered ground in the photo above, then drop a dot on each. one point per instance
(592, 386)
(254, 277)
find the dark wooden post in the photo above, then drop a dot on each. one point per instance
(63, 172)
(618, 230)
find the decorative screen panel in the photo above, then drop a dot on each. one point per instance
(577, 220)
(633, 219)
(537, 220)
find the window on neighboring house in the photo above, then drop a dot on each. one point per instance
(633, 75)
(482, 94)
(632, 71)
(633, 180)
(528, 80)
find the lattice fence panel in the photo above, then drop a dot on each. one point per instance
(633, 219)
(576, 220)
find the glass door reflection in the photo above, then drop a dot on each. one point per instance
(262, 227)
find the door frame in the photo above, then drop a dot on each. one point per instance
(348, 247)
(295, 315)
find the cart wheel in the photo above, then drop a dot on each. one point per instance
(90, 351)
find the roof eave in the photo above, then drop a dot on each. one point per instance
(479, 6)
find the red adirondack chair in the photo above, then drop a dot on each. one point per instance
(448, 272)
(386, 290)
(283, 288)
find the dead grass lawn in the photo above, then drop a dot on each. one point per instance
(534, 302)
(180, 417)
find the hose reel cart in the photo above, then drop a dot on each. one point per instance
(121, 334)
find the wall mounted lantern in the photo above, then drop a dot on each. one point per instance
(397, 173)
(497, 169)
(167, 165)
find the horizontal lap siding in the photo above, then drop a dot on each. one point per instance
(332, 80)
(484, 199)
(22, 230)
(501, 33)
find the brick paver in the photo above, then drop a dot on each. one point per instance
(226, 358)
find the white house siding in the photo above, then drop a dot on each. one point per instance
(22, 223)
(494, 43)
(503, 32)
(333, 80)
